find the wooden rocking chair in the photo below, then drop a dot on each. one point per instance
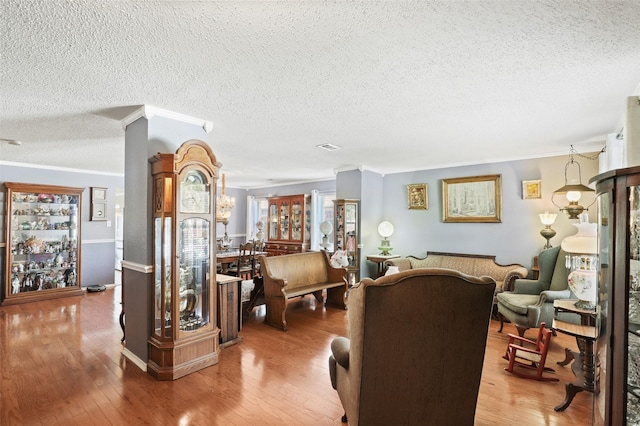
(529, 354)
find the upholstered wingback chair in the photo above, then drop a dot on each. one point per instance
(415, 349)
(531, 301)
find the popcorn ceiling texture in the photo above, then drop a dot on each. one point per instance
(396, 84)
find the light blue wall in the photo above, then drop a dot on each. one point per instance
(515, 240)
(371, 214)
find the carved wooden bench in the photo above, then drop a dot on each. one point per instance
(299, 274)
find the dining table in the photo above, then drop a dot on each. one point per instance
(229, 256)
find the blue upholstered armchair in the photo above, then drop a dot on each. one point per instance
(531, 301)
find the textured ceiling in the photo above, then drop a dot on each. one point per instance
(397, 85)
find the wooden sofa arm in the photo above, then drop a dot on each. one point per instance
(511, 277)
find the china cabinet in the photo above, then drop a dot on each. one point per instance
(346, 235)
(42, 242)
(184, 335)
(617, 400)
(289, 225)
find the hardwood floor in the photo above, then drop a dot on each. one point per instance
(61, 363)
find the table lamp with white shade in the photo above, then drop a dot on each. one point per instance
(547, 220)
(326, 228)
(385, 229)
(582, 262)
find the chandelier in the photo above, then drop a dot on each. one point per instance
(224, 204)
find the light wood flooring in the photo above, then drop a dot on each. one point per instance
(61, 363)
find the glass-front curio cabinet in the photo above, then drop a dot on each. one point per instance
(42, 242)
(184, 338)
(346, 234)
(617, 400)
(289, 224)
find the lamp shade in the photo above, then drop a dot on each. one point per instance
(585, 241)
(326, 227)
(547, 218)
(385, 229)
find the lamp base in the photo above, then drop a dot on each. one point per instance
(385, 250)
(548, 233)
(587, 305)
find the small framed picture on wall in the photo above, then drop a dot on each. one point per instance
(98, 194)
(417, 196)
(531, 189)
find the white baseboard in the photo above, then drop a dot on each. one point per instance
(135, 359)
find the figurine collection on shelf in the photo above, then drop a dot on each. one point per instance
(41, 259)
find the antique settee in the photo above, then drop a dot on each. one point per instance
(299, 274)
(471, 264)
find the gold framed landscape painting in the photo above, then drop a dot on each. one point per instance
(417, 196)
(472, 199)
(531, 189)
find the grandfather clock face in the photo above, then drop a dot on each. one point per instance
(194, 193)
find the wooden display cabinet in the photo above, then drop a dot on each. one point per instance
(617, 399)
(289, 225)
(42, 242)
(346, 234)
(184, 335)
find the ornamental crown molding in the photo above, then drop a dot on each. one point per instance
(149, 111)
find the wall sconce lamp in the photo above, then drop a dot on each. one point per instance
(385, 229)
(547, 220)
(326, 228)
(572, 191)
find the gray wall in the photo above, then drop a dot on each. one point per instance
(143, 139)
(97, 238)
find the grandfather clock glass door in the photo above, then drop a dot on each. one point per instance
(194, 238)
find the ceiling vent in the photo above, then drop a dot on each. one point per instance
(328, 147)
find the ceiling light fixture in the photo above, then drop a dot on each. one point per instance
(328, 147)
(11, 141)
(572, 189)
(224, 205)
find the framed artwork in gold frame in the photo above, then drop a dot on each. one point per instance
(531, 189)
(417, 196)
(472, 199)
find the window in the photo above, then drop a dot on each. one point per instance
(323, 212)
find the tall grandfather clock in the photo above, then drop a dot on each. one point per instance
(185, 336)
